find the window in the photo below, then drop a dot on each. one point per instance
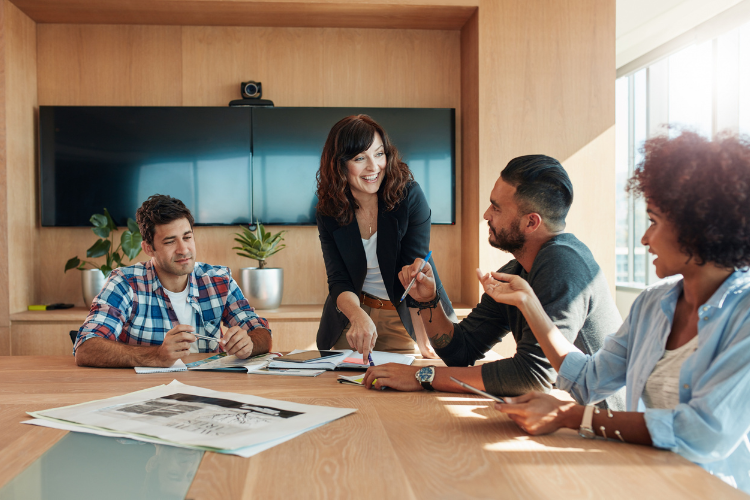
(704, 87)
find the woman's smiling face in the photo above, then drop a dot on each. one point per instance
(366, 170)
(661, 240)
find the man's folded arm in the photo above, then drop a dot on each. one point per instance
(238, 312)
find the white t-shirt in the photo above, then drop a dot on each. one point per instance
(184, 311)
(374, 280)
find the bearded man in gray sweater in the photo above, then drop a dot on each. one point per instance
(526, 217)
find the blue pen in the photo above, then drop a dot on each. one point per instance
(369, 357)
(414, 279)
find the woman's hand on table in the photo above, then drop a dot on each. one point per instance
(362, 334)
(538, 413)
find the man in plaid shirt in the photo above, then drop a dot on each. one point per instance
(146, 314)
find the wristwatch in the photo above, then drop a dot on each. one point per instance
(425, 376)
(586, 430)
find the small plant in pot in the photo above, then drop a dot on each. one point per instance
(262, 286)
(92, 280)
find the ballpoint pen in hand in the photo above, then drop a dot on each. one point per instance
(369, 358)
(414, 279)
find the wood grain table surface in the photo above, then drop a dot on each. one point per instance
(396, 445)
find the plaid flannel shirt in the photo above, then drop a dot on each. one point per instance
(133, 307)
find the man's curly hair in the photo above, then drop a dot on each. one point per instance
(157, 210)
(703, 188)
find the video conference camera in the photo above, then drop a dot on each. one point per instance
(251, 92)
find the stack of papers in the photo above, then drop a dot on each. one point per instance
(231, 363)
(178, 366)
(341, 361)
(193, 417)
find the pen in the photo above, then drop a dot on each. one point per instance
(414, 279)
(369, 358)
(206, 338)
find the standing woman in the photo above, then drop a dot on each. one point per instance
(683, 353)
(373, 219)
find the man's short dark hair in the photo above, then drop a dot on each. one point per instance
(542, 186)
(157, 210)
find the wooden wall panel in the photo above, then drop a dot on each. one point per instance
(109, 65)
(546, 85)
(471, 203)
(20, 85)
(203, 66)
(4, 262)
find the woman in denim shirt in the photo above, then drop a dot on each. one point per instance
(683, 353)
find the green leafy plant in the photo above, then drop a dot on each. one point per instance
(104, 228)
(259, 244)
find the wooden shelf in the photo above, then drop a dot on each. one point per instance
(250, 13)
(305, 312)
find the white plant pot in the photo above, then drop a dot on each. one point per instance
(92, 282)
(262, 288)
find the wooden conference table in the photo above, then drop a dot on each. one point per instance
(397, 445)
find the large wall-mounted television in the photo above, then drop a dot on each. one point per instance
(229, 165)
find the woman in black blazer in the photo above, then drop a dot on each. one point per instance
(373, 219)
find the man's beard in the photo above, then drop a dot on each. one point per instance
(511, 240)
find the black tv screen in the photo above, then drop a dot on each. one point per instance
(229, 165)
(116, 157)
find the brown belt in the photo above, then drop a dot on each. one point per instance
(375, 302)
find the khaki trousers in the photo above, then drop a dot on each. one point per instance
(392, 336)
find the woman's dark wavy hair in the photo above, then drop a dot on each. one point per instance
(703, 188)
(348, 138)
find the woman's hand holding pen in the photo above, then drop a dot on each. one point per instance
(362, 334)
(424, 288)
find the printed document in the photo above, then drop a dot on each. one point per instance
(193, 416)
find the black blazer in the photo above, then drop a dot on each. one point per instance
(403, 237)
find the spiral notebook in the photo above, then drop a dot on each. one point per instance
(178, 366)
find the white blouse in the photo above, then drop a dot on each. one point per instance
(662, 389)
(374, 280)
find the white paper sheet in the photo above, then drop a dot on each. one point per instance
(193, 416)
(245, 452)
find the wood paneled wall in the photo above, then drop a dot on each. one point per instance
(19, 246)
(546, 85)
(203, 66)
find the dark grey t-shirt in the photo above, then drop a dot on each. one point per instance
(574, 293)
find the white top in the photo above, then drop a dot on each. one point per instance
(184, 311)
(662, 389)
(374, 280)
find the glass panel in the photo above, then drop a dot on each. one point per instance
(691, 88)
(640, 134)
(744, 79)
(87, 466)
(622, 154)
(727, 82)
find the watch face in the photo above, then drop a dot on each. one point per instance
(424, 374)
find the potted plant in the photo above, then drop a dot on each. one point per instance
(92, 280)
(262, 286)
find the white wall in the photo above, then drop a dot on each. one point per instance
(643, 25)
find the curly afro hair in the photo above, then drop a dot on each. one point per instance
(703, 188)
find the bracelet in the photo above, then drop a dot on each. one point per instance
(410, 302)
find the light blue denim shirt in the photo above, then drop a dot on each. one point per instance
(710, 425)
